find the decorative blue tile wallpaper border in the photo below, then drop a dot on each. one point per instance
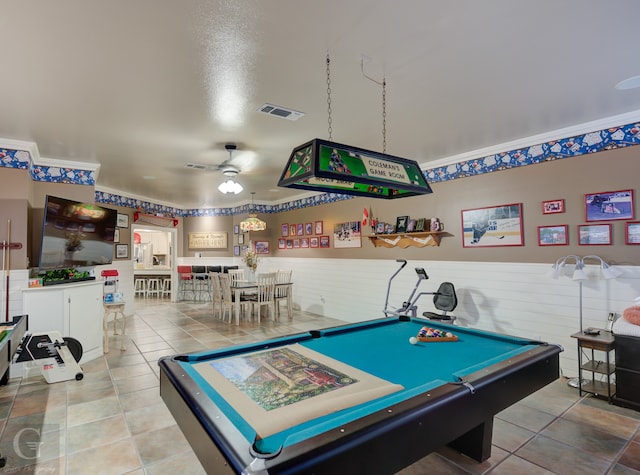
(616, 137)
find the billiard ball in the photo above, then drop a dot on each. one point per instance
(413, 340)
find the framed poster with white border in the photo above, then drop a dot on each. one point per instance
(493, 226)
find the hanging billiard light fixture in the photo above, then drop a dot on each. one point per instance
(252, 223)
(323, 165)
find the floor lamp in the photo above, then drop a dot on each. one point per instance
(606, 271)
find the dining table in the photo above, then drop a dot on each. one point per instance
(244, 286)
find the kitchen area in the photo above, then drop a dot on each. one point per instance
(152, 261)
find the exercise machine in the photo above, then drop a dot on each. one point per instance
(444, 299)
(57, 356)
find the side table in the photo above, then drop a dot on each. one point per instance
(604, 342)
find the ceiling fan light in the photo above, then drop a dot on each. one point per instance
(230, 186)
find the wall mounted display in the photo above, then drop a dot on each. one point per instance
(553, 206)
(308, 228)
(609, 205)
(292, 230)
(633, 232)
(122, 251)
(236, 250)
(401, 224)
(594, 234)
(122, 221)
(314, 241)
(347, 235)
(262, 247)
(236, 229)
(285, 230)
(553, 235)
(492, 226)
(324, 241)
(282, 243)
(209, 240)
(304, 242)
(116, 236)
(318, 226)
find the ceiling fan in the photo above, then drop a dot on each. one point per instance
(228, 170)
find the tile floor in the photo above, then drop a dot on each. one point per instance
(114, 422)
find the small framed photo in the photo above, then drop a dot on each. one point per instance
(282, 243)
(380, 227)
(284, 230)
(122, 251)
(296, 243)
(308, 228)
(262, 247)
(304, 242)
(314, 241)
(594, 234)
(236, 229)
(116, 236)
(411, 227)
(236, 250)
(289, 243)
(553, 235)
(633, 232)
(300, 230)
(401, 224)
(420, 224)
(292, 230)
(244, 248)
(240, 238)
(122, 220)
(609, 205)
(318, 228)
(324, 241)
(553, 206)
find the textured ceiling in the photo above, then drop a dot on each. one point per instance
(143, 88)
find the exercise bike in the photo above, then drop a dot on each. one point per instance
(444, 299)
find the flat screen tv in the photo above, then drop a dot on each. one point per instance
(76, 234)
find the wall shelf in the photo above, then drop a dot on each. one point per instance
(162, 221)
(404, 240)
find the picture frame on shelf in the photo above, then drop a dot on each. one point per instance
(284, 230)
(401, 224)
(262, 247)
(308, 229)
(420, 224)
(314, 241)
(492, 226)
(609, 205)
(557, 235)
(318, 228)
(632, 234)
(594, 234)
(411, 226)
(553, 206)
(380, 227)
(122, 251)
(122, 220)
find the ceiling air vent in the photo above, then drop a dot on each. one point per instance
(281, 112)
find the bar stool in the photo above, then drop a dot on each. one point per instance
(166, 287)
(154, 287)
(115, 309)
(140, 287)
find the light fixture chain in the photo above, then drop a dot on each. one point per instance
(330, 129)
(384, 115)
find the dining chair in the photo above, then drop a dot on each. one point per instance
(263, 297)
(236, 274)
(200, 282)
(216, 293)
(185, 282)
(227, 297)
(283, 292)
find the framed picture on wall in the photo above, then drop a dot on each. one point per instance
(262, 247)
(594, 234)
(285, 230)
(609, 205)
(324, 241)
(314, 241)
(122, 251)
(292, 230)
(492, 226)
(282, 243)
(300, 230)
(296, 243)
(116, 236)
(308, 228)
(318, 228)
(240, 238)
(122, 220)
(304, 242)
(347, 235)
(633, 232)
(553, 206)
(553, 235)
(236, 229)
(236, 250)
(289, 243)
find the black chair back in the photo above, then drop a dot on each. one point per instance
(217, 269)
(225, 269)
(445, 298)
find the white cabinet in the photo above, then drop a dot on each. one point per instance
(74, 310)
(159, 241)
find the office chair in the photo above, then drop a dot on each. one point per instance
(445, 300)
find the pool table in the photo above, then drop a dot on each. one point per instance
(450, 392)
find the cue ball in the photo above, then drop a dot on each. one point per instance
(413, 340)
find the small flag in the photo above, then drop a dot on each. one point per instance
(365, 217)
